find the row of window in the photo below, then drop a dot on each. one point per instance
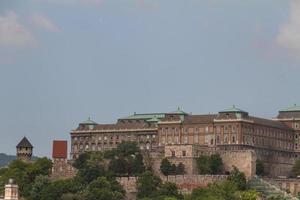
(112, 137)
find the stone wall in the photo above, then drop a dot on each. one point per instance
(290, 185)
(62, 169)
(185, 183)
(244, 160)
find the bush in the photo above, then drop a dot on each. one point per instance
(210, 164)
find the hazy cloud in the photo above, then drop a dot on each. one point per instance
(44, 22)
(289, 32)
(12, 33)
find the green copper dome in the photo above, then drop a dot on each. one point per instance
(89, 122)
(233, 109)
(179, 112)
(294, 108)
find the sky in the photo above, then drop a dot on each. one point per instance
(62, 61)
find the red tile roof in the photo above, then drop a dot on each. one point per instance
(60, 149)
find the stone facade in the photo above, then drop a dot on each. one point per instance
(11, 191)
(185, 183)
(229, 132)
(62, 168)
(290, 185)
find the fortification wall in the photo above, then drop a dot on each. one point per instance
(62, 169)
(244, 160)
(291, 185)
(185, 183)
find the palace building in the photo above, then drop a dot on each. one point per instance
(179, 134)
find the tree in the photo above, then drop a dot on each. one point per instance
(165, 167)
(169, 190)
(203, 164)
(210, 164)
(148, 185)
(127, 160)
(56, 189)
(260, 170)
(40, 183)
(296, 168)
(238, 178)
(103, 189)
(249, 195)
(180, 169)
(90, 165)
(216, 164)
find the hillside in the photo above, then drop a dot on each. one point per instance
(5, 159)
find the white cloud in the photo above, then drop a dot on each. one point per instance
(289, 32)
(45, 23)
(12, 33)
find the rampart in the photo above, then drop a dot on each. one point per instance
(185, 183)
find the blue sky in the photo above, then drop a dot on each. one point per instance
(62, 61)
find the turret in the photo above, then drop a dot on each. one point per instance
(24, 150)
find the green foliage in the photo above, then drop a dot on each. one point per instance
(90, 165)
(25, 173)
(6, 159)
(126, 160)
(103, 189)
(276, 198)
(180, 169)
(238, 178)
(169, 191)
(296, 168)
(148, 185)
(260, 170)
(217, 191)
(39, 184)
(210, 164)
(167, 168)
(249, 195)
(56, 189)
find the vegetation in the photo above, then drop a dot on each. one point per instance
(231, 189)
(6, 159)
(150, 187)
(296, 168)
(167, 168)
(25, 173)
(260, 170)
(125, 160)
(210, 164)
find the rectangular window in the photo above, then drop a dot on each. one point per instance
(184, 153)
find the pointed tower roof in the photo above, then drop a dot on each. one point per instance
(24, 143)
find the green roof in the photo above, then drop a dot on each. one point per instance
(89, 121)
(293, 108)
(154, 119)
(179, 112)
(145, 116)
(233, 109)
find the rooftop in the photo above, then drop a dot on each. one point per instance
(294, 108)
(24, 143)
(233, 109)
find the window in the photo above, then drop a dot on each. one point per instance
(233, 139)
(99, 138)
(206, 129)
(75, 138)
(173, 153)
(185, 139)
(105, 138)
(183, 153)
(86, 147)
(296, 125)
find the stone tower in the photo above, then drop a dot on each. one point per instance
(24, 150)
(11, 191)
